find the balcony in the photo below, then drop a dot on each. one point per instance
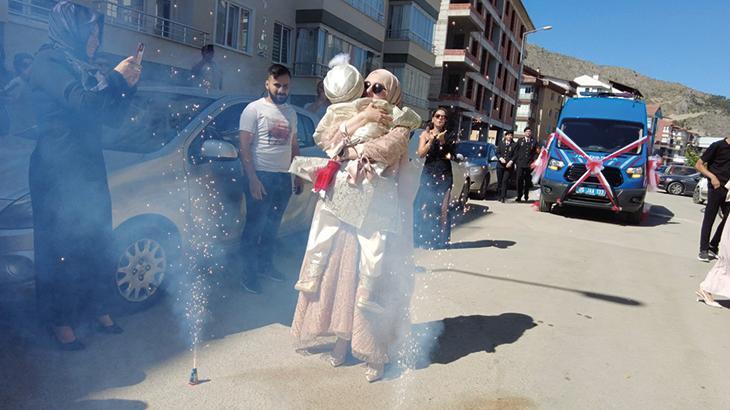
(136, 20)
(34, 10)
(457, 58)
(527, 96)
(368, 8)
(466, 17)
(408, 35)
(456, 100)
(310, 69)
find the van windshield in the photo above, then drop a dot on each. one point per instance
(602, 135)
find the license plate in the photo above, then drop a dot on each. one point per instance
(590, 191)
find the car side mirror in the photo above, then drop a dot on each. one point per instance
(218, 150)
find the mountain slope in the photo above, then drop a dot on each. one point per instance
(701, 112)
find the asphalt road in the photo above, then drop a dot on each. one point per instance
(567, 311)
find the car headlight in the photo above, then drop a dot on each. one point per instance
(475, 169)
(636, 172)
(555, 164)
(17, 215)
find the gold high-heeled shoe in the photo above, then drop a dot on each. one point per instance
(373, 374)
(702, 296)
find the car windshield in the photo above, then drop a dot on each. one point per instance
(681, 171)
(153, 121)
(601, 135)
(472, 150)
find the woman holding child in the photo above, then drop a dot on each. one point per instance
(357, 275)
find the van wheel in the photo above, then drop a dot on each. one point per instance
(634, 218)
(545, 206)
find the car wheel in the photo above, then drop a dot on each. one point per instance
(545, 206)
(675, 188)
(482, 194)
(696, 195)
(144, 257)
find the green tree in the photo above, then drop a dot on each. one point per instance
(691, 156)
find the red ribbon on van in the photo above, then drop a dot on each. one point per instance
(594, 166)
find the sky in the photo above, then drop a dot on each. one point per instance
(681, 41)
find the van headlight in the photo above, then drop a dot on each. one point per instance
(17, 215)
(635, 172)
(555, 164)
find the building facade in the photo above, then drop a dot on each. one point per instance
(540, 100)
(671, 141)
(477, 71)
(250, 35)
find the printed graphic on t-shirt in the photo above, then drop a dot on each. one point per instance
(279, 133)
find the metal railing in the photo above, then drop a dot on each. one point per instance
(411, 36)
(310, 69)
(134, 19)
(33, 9)
(369, 9)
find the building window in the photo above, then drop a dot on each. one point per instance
(410, 22)
(316, 47)
(414, 83)
(282, 44)
(375, 9)
(232, 25)
(33, 9)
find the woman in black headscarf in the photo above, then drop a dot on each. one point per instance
(68, 182)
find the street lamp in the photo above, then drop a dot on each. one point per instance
(522, 46)
(522, 65)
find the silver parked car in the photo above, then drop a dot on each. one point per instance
(699, 196)
(481, 163)
(174, 177)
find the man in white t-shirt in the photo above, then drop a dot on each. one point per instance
(268, 136)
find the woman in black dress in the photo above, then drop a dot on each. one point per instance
(432, 225)
(72, 215)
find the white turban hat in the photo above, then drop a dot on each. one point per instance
(343, 83)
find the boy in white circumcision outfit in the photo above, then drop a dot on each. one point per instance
(359, 195)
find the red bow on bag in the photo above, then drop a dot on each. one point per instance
(324, 176)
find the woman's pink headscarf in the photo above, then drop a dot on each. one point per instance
(391, 83)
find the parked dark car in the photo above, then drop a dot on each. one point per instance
(679, 180)
(481, 162)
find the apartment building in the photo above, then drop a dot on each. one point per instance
(671, 141)
(653, 115)
(477, 72)
(540, 101)
(249, 35)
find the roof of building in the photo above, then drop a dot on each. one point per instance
(589, 81)
(626, 88)
(651, 109)
(704, 142)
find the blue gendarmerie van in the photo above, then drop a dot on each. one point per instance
(599, 126)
